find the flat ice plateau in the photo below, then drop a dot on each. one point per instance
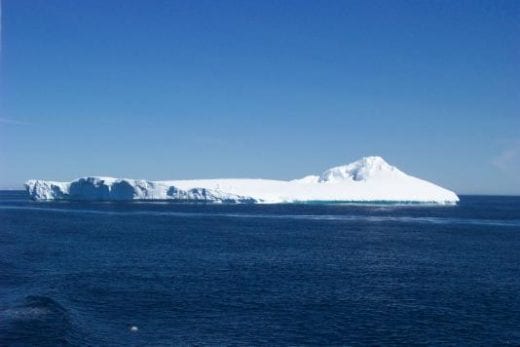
(370, 179)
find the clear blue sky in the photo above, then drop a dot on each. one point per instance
(274, 89)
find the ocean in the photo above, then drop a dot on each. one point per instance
(162, 274)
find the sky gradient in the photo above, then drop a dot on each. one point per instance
(272, 89)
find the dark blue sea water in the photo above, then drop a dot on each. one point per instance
(77, 273)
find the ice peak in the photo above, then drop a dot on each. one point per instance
(360, 170)
(372, 161)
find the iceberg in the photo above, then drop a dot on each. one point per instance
(370, 179)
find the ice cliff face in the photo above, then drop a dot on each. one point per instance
(368, 179)
(108, 188)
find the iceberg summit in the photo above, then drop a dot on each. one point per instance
(370, 179)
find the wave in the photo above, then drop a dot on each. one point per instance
(317, 217)
(38, 320)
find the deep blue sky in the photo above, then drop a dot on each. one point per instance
(275, 89)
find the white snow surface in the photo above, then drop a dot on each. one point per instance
(370, 179)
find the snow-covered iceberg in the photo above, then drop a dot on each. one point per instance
(370, 179)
